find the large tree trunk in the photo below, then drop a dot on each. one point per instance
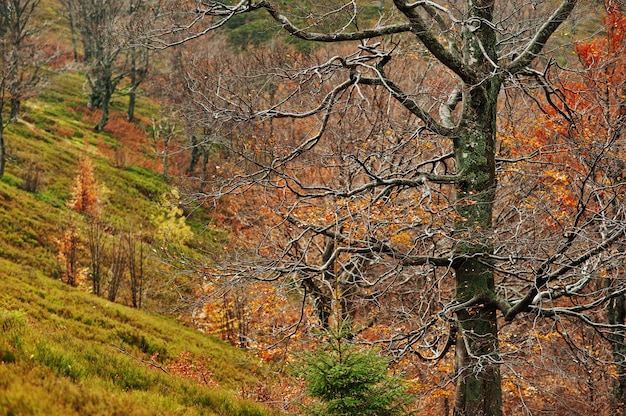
(479, 389)
(132, 100)
(106, 100)
(477, 364)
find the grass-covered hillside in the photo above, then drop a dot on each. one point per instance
(64, 350)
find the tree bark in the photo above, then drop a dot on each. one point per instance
(106, 99)
(477, 364)
(132, 99)
(477, 367)
(3, 155)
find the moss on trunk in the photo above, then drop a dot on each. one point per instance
(477, 365)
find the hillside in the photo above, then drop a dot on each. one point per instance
(66, 352)
(63, 350)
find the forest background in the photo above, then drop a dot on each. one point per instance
(446, 180)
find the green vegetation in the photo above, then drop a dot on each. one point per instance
(352, 381)
(63, 351)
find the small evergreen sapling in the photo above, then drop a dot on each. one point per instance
(349, 381)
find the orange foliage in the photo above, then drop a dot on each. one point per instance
(569, 163)
(85, 190)
(69, 246)
(194, 369)
(132, 146)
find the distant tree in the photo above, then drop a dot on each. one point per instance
(85, 200)
(69, 246)
(170, 224)
(119, 262)
(20, 61)
(96, 237)
(136, 264)
(138, 67)
(97, 22)
(140, 13)
(164, 133)
(104, 28)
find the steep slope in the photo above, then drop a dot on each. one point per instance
(63, 350)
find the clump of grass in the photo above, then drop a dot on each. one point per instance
(12, 326)
(60, 361)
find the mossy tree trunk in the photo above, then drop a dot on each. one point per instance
(137, 73)
(106, 100)
(477, 366)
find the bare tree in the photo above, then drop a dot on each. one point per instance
(387, 190)
(106, 32)
(138, 61)
(119, 261)
(96, 236)
(136, 264)
(97, 22)
(140, 13)
(20, 61)
(164, 133)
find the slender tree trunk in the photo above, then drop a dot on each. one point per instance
(321, 302)
(136, 76)
(134, 84)
(15, 85)
(195, 154)
(15, 94)
(616, 315)
(132, 99)
(15, 109)
(70, 10)
(205, 165)
(132, 270)
(135, 270)
(3, 155)
(118, 267)
(15, 82)
(166, 175)
(96, 248)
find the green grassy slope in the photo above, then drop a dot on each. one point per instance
(64, 351)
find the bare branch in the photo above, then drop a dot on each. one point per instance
(536, 44)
